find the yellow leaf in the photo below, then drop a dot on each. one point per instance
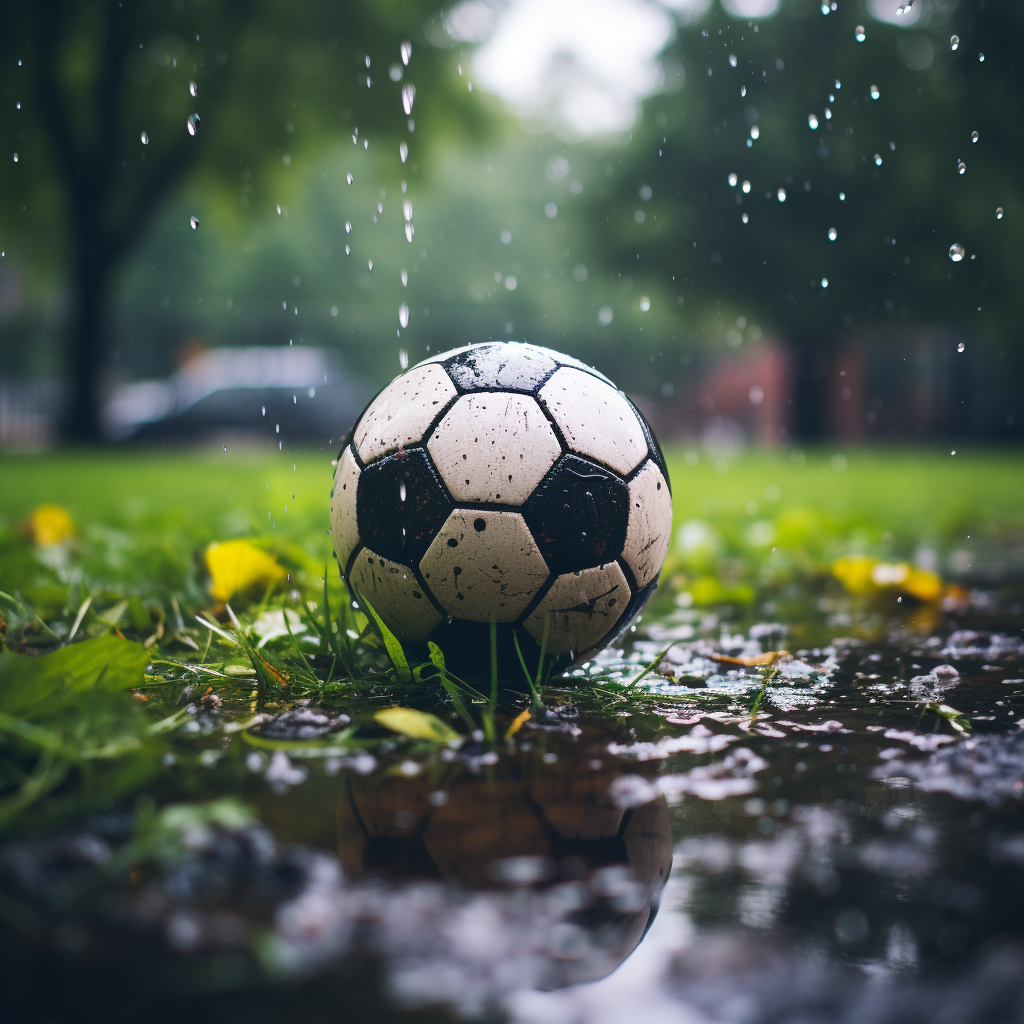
(924, 585)
(517, 723)
(417, 724)
(50, 524)
(237, 565)
(855, 573)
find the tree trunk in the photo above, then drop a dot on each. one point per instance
(86, 347)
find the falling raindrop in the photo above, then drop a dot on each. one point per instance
(961, 167)
(824, 8)
(408, 97)
(645, 304)
(380, 207)
(755, 132)
(194, 221)
(974, 136)
(746, 185)
(407, 209)
(405, 278)
(348, 250)
(782, 195)
(369, 264)
(15, 157)
(193, 89)
(878, 160)
(874, 92)
(406, 51)
(403, 151)
(144, 138)
(832, 234)
(905, 8)
(954, 42)
(401, 485)
(859, 34)
(410, 231)
(828, 112)
(732, 180)
(367, 60)
(744, 218)
(956, 252)
(193, 124)
(981, 58)
(999, 213)
(732, 60)
(842, 197)
(369, 82)
(824, 282)
(743, 90)
(349, 178)
(812, 120)
(348, 227)
(403, 316)
(960, 347)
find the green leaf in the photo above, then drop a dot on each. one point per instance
(419, 725)
(107, 662)
(391, 645)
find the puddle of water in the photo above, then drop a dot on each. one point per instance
(832, 834)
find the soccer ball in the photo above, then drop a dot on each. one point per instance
(502, 483)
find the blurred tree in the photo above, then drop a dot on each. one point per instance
(109, 106)
(811, 181)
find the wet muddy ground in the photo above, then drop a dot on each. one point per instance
(829, 834)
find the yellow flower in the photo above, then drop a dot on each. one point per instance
(855, 572)
(237, 565)
(861, 574)
(50, 524)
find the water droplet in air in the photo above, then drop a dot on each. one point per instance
(403, 316)
(349, 178)
(782, 195)
(605, 316)
(194, 221)
(369, 264)
(144, 139)
(824, 8)
(348, 249)
(410, 231)
(812, 120)
(407, 209)
(828, 112)
(408, 97)
(842, 197)
(193, 89)
(732, 60)
(403, 151)
(999, 213)
(954, 42)
(732, 180)
(975, 136)
(874, 92)
(193, 124)
(824, 282)
(367, 60)
(960, 347)
(15, 157)
(832, 234)
(743, 90)
(348, 227)
(401, 485)
(550, 210)
(956, 252)
(746, 186)
(406, 51)
(981, 58)
(405, 278)
(744, 218)
(859, 34)
(755, 132)
(878, 160)
(645, 304)
(961, 167)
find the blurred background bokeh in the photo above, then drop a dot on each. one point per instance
(773, 222)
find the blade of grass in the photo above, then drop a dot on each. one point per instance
(391, 645)
(651, 667)
(437, 660)
(543, 649)
(78, 618)
(526, 672)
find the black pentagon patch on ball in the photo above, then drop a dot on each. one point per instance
(578, 515)
(653, 448)
(500, 365)
(400, 505)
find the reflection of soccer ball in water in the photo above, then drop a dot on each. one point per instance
(534, 826)
(502, 483)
